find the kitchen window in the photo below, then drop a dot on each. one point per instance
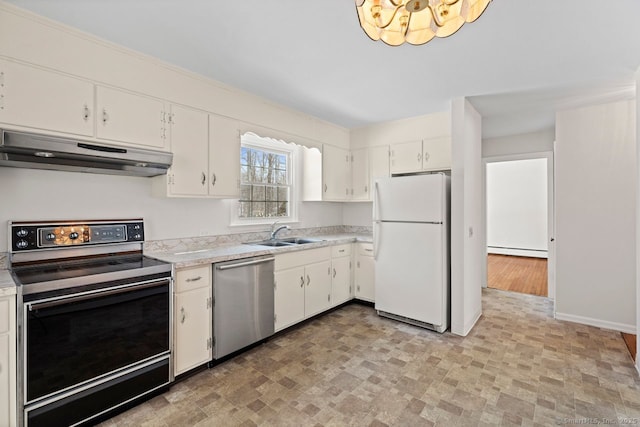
(265, 180)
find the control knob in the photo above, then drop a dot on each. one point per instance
(22, 244)
(22, 232)
(73, 235)
(136, 227)
(137, 236)
(50, 236)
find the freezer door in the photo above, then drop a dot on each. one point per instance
(410, 271)
(418, 198)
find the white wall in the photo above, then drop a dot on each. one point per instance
(533, 142)
(27, 194)
(467, 246)
(517, 207)
(596, 188)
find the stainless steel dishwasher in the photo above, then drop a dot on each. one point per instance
(243, 303)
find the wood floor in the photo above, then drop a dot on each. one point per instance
(517, 274)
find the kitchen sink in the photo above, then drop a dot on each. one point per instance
(288, 241)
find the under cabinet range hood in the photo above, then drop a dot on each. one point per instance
(35, 151)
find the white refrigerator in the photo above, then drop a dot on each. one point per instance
(411, 249)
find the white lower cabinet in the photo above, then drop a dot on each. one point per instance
(340, 274)
(8, 361)
(192, 343)
(365, 273)
(302, 285)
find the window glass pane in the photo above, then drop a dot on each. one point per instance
(244, 174)
(257, 209)
(272, 194)
(244, 210)
(272, 209)
(283, 193)
(243, 155)
(258, 193)
(282, 177)
(245, 192)
(283, 209)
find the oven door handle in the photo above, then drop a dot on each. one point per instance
(92, 295)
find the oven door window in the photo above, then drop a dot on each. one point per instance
(72, 340)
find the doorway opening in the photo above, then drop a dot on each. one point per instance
(519, 206)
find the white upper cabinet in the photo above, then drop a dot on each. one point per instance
(130, 118)
(360, 186)
(189, 132)
(378, 165)
(35, 98)
(224, 157)
(336, 173)
(406, 157)
(436, 154)
(425, 155)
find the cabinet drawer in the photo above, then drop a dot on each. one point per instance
(193, 278)
(305, 257)
(365, 249)
(5, 315)
(340, 250)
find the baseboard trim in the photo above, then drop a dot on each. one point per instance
(622, 327)
(467, 326)
(517, 252)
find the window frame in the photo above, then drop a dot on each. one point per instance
(253, 141)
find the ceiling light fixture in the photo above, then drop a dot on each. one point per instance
(416, 21)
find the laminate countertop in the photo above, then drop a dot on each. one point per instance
(232, 252)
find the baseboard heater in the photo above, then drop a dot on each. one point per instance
(430, 326)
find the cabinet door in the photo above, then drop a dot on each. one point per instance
(378, 165)
(360, 188)
(317, 294)
(340, 280)
(190, 148)
(5, 383)
(224, 157)
(130, 118)
(436, 153)
(336, 175)
(45, 100)
(192, 342)
(365, 272)
(406, 157)
(289, 297)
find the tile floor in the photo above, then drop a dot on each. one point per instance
(518, 366)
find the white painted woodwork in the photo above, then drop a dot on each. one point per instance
(360, 187)
(336, 173)
(378, 165)
(192, 318)
(44, 100)
(317, 293)
(436, 154)
(224, 157)
(189, 172)
(7, 361)
(303, 285)
(406, 157)
(289, 297)
(130, 118)
(364, 280)
(341, 274)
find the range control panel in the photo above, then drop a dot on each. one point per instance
(30, 236)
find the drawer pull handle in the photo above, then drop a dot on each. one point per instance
(301, 281)
(334, 273)
(194, 279)
(369, 250)
(183, 315)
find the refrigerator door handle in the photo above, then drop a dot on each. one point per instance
(376, 245)
(375, 202)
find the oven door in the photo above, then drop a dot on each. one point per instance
(73, 339)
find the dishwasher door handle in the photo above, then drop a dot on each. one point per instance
(243, 264)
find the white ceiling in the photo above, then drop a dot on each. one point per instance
(521, 60)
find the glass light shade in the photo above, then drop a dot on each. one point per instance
(391, 21)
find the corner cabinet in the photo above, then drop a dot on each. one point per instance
(8, 360)
(130, 118)
(365, 273)
(360, 185)
(302, 285)
(378, 166)
(45, 100)
(431, 154)
(192, 339)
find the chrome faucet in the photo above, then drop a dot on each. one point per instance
(274, 230)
